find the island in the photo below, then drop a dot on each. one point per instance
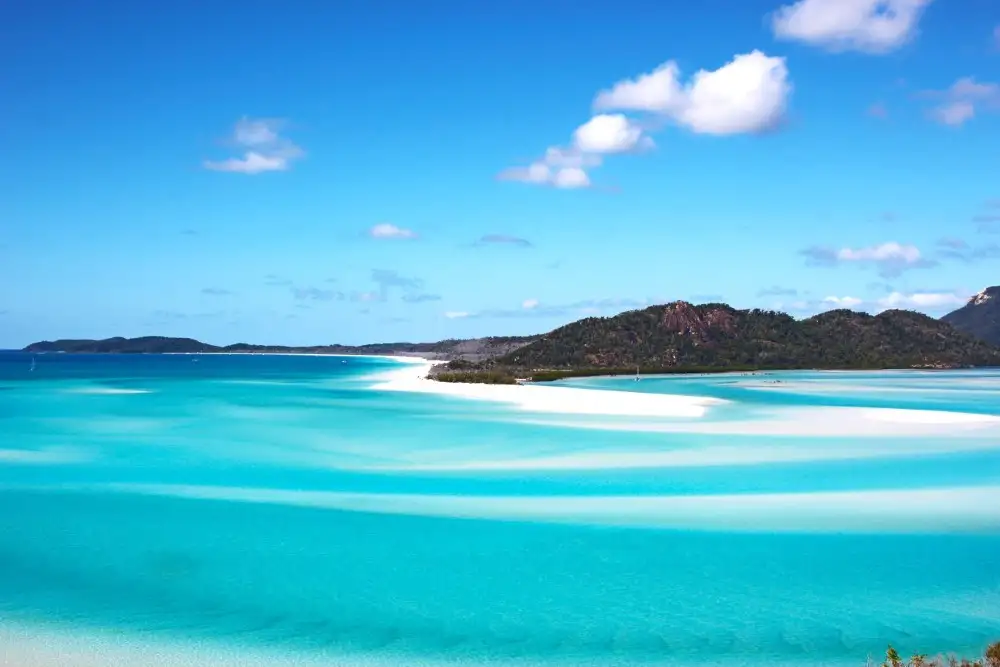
(680, 337)
(677, 337)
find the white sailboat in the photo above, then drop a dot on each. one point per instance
(636, 373)
(32, 364)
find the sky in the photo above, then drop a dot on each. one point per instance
(385, 170)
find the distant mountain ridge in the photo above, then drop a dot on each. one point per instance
(672, 337)
(470, 349)
(980, 317)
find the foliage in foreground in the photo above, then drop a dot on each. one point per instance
(991, 658)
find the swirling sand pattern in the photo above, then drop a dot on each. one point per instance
(305, 511)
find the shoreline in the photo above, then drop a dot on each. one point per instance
(535, 397)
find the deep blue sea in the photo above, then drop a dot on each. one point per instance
(294, 510)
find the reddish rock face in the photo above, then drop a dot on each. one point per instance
(683, 318)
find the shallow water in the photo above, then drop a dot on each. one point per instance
(281, 509)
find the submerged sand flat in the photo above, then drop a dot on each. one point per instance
(274, 510)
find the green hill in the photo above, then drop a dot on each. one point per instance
(681, 336)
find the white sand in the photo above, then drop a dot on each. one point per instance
(959, 509)
(544, 398)
(820, 422)
(31, 646)
(692, 457)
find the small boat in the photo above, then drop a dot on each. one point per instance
(636, 373)
(32, 365)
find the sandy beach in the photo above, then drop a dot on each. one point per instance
(549, 399)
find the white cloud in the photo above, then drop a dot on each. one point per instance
(607, 133)
(266, 149)
(843, 301)
(961, 101)
(657, 92)
(954, 113)
(923, 300)
(387, 230)
(891, 251)
(541, 173)
(571, 178)
(891, 259)
(748, 94)
(872, 26)
(456, 314)
(529, 304)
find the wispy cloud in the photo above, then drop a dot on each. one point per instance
(988, 223)
(215, 291)
(274, 280)
(961, 251)
(386, 230)
(890, 259)
(316, 294)
(533, 308)
(421, 298)
(504, 239)
(931, 301)
(870, 26)
(878, 110)
(778, 291)
(963, 100)
(264, 149)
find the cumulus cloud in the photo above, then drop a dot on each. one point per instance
(608, 133)
(748, 94)
(264, 149)
(872, 26)
(890, 259)
(456, 314)
(503, 239)
(528, 304)
(963, 100)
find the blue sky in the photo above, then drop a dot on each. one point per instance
(307, 172)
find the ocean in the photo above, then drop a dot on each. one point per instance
(274, 510)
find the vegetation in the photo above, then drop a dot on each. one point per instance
(480, 377)
(683, 338)
(991, 658)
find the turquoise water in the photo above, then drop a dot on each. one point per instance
(291, 505)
